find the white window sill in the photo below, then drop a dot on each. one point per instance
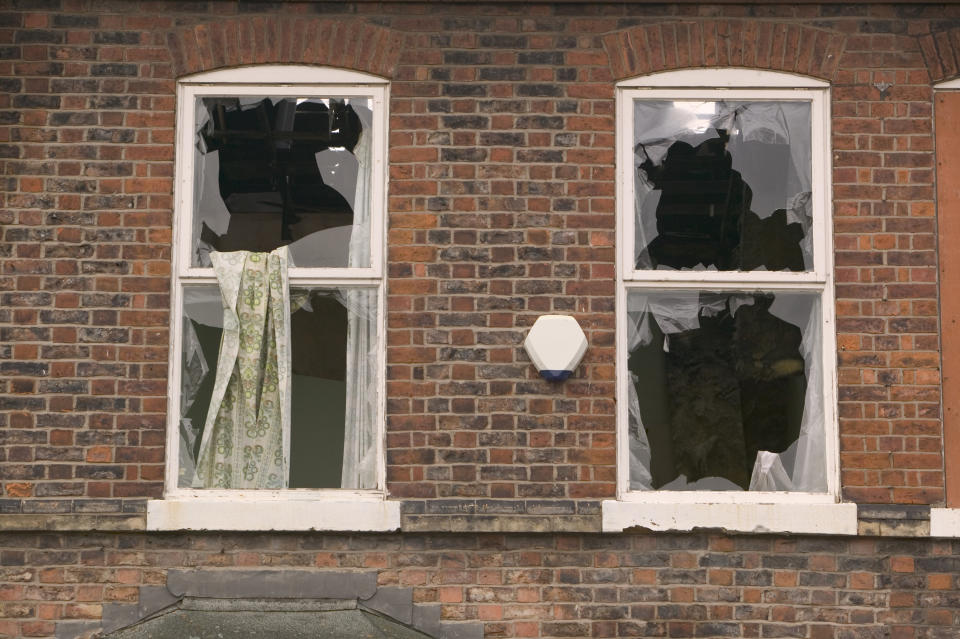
(802, 518)
(253, 514)
(945, 522)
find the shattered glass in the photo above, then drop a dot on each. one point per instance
(278, 171)
(725, 391)
(722, 185)
(329, 381)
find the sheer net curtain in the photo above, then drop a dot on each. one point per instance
(208, 204)
(359, 461)
(802, 467)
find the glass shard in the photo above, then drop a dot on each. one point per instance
(722, 185)
(277, 171)
(722, 381)
(332, 332)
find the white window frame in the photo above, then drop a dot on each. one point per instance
(732, 510)
(297, 508)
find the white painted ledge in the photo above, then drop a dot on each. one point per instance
(945, 522)
(262, 515)
(809, 518)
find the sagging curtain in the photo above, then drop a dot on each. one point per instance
(246, 437)
(359, 467)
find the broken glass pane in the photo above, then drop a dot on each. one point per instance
(276, 171)
(722, 185)
(333, 394)
(202, 328)
(725, 391)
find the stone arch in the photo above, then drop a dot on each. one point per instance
(776, 46)
(347, 44)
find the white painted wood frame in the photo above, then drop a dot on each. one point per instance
(732, 510)
(293, 509)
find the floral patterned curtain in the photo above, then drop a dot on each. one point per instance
(246, 438)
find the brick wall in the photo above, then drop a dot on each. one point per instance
(531, 585)
(501, 208)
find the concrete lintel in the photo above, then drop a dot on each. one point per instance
(497, 523)
(67, 522)
(893, 511)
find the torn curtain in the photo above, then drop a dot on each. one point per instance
(246, 438)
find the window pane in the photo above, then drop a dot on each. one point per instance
(333, 385)
(722, 185)
(725, 391)
(275, 171)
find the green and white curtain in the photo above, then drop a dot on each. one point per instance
(245, 440)
(246, 437)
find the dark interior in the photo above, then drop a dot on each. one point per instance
(712, 396)
(704, 214)
(318, 396)
(269, 178)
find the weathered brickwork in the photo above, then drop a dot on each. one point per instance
(886, 273)
(501, 207)
(530, 585)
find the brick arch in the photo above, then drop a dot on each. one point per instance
(941, 52)
(754, 44)
(348, 44)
